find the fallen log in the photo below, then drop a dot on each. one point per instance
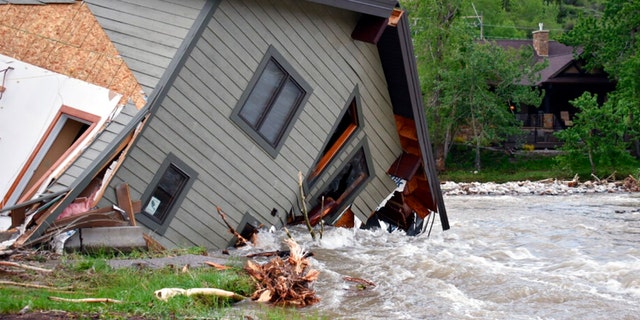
(86, 300)
(166, 293)
(364, 284)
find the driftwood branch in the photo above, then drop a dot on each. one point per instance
(167, 293)
(363, 282)
(86, 300)
(304, 207)
(32, 285)
(24, 266)
(241, 240)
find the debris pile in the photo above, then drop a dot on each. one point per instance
(542, 187)
(77, 228)
(285, 282)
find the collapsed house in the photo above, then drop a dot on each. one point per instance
(244, 95)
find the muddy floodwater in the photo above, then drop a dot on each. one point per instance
(505, 257)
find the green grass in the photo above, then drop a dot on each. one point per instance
(501, 167)
(92, 277)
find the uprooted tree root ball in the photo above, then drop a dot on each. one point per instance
(285, 282)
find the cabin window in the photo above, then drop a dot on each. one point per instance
(353, 175)
(349, 122)
(272, 101)
(165, 193)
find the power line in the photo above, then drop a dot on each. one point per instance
(523, 28)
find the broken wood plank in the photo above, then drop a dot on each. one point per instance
(17, 217)
(104, 211)
(23, 266)
(217, 265)
(152, 244)
(124, 201)
(31, 285)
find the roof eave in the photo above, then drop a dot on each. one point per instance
(378, 8)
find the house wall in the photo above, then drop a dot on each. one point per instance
(235, 173)
(32, 99)
(146, 33)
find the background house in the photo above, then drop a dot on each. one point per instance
(563, 80)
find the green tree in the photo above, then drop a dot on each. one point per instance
(466, 83)
(511, 19)
(611, 42)
(597, 134)
(482, 82)
(436, 38)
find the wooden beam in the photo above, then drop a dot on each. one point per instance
(369, 28)
(17, 217)
(124, 201)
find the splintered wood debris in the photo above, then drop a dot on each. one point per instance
(285, 282)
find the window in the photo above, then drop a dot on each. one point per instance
(344, 129)
(351, 177)
(165, 192)
(271, 102)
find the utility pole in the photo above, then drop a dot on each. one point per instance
(480, 20)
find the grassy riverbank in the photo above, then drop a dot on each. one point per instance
(79, 276)
(498, 166)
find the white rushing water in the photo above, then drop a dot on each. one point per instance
(505, 257)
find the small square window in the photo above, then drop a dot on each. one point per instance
(171, 183)
(271, 102)
(165, 193)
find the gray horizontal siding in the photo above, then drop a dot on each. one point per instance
(146, 33)
(234, 173)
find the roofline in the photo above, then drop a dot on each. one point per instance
(420, 117)
(379, 8)
(559, 70)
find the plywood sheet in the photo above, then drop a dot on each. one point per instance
(67, 39)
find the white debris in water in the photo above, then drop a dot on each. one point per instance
(545, 187)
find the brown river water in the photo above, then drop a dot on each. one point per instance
(505, 257)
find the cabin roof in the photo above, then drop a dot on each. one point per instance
(560, 56)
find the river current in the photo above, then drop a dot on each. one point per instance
(505, 257)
